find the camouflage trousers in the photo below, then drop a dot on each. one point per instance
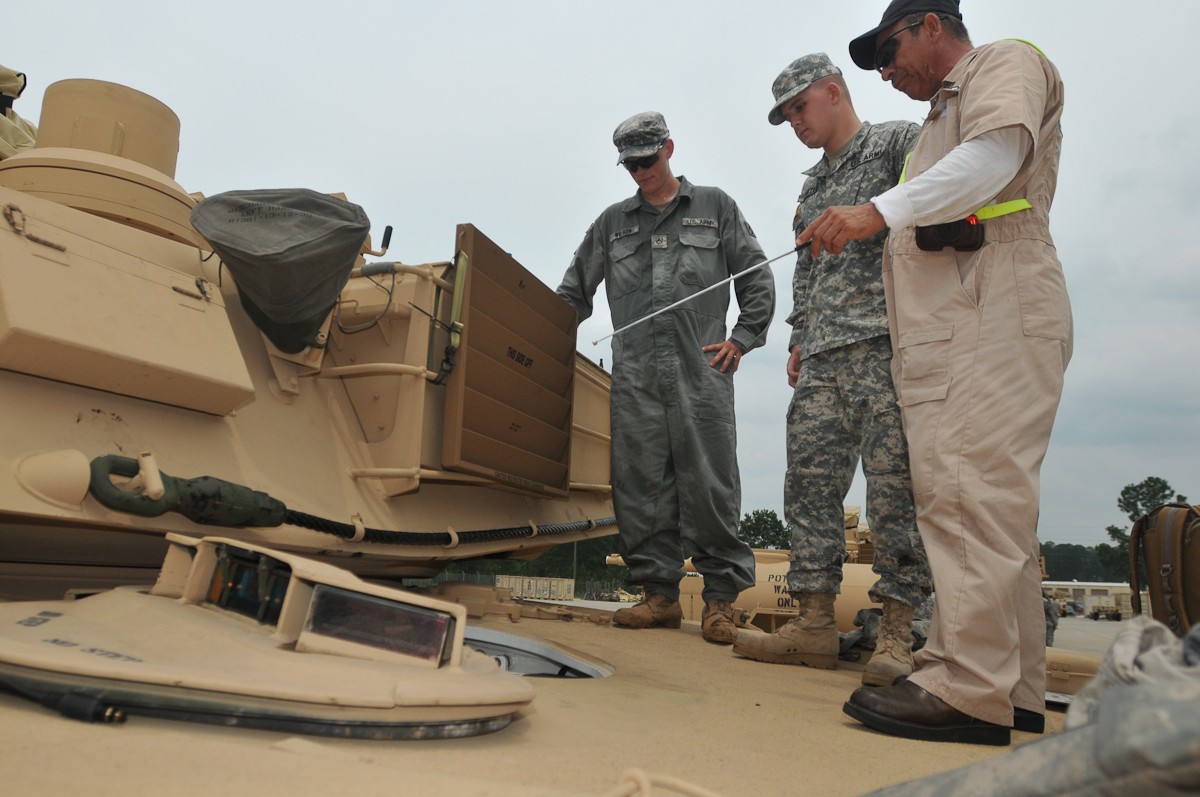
(844, 409)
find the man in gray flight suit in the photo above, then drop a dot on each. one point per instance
(844, 407)
(676, 488)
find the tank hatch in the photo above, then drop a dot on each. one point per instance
(240, 635)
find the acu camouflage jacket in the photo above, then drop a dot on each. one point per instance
(839, 298)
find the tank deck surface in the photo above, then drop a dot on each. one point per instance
(675, 706)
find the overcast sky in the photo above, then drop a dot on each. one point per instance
(501, 114)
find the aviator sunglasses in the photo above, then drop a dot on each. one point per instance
(633, 164)
(885, 53)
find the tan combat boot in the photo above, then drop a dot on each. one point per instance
(653, 610)
(810, 638)
(716, 623)
(893, 656)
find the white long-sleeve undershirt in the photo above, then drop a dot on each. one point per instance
(964, 180)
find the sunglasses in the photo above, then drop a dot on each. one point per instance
(633, 164)
(885, 53)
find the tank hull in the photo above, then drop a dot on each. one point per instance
(443, 399)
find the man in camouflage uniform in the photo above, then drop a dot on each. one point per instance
(676, 488)
(1050, 609)
(844, 406)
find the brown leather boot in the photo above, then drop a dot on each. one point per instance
(716, 623)
(810, 638)
(909, 711)
(653, 610)
(893, 658)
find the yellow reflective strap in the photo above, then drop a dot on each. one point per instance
(1012, 206)
(991, 211)
(1031, 44)
(1002, 209)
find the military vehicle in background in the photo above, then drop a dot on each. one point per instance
(335, 426)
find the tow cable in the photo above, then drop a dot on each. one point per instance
(210, 501)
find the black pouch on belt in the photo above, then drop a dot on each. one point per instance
(964, 235)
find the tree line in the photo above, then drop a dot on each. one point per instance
(1110, 561)
(762, 528)
(1107, 561)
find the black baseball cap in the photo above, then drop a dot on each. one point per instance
(862, 49)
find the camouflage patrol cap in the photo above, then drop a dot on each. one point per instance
(640, 135)
(799, 75)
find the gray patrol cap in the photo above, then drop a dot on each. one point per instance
(799, 75)
(640, 135)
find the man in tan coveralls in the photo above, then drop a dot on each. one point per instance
(981, 339)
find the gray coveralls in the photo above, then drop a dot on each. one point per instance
(845, 406)
(676, 488)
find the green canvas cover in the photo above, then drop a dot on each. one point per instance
(290, 251)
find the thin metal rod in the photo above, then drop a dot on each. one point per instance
(743, 273)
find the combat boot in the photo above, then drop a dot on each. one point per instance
(893, 658)
(811, 638)
(716, 623)
(653, 610)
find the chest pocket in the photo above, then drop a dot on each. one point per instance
(870, 178)
(939, 134)
(627, 271)
(696, 256)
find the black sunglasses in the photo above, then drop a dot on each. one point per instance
(885, 53)
(633, 164)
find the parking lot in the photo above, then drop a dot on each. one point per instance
(1086, 636)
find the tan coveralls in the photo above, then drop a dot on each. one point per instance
(981, 341)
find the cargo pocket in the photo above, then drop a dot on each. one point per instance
(1041, 292)
(696, 242)
(922, 387)
(697, 262)
(712, 392)
(924, 353)
(626, 274)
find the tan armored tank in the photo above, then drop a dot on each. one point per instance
(260, 453)
(427, 412)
